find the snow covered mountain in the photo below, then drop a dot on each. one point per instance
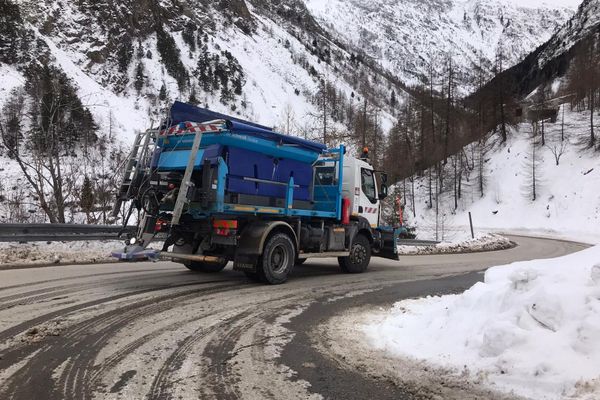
(408, 36)
(553, 59)
(120, 57)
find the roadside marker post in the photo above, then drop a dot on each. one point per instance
(471, 223)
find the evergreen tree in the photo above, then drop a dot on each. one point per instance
(139, 78)
(171, 57)
(193, 97)
(162, 94)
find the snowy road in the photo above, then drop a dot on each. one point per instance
(158, 331)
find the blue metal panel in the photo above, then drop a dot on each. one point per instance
(177, 160)
(289, 198)
(342, 151)
(233, 209)
(247, 142)
(181, 112)
(326, 198)
(221, 182)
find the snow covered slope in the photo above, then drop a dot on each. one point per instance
(280, 47)
(552, 59)
(530, 329)
(406, 36)
(567, 202)
(102, 57)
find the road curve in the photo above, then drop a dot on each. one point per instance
(159, 331)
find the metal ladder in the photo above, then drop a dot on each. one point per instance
(186, 183)
(138, 162)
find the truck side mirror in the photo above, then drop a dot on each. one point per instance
(383, 191)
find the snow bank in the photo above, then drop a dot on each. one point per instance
(487, 242)
(532, 328)
(44, 253)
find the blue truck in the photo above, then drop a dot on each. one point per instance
(218, 189)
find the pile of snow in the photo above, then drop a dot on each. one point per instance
(44, 253)
(532, 329)
(484, 242)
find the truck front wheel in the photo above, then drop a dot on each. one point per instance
(359, 258)
(198, 266)
(277, 259)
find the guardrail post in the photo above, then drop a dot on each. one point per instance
(471, 223)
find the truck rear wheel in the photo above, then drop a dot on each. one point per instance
(359, 258)
(277, 259)
(198, 266)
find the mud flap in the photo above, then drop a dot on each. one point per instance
(245, 263)
(388, 243)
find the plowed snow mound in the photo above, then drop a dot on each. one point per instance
(531, 328)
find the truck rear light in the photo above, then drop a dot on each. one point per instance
(171, 186)
(160, 224)
(225, 227)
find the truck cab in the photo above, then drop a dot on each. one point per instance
(360, 187)
(224, 190)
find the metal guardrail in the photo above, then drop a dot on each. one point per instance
(78, 232)
(59, 232)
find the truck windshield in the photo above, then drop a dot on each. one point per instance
(368, 185)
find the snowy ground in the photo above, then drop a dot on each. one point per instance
(531, 329)
(484, 242)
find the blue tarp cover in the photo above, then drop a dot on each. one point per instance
(182, 112)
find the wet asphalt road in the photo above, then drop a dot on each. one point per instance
(159, 331)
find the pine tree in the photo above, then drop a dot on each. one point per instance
(171, 57)
(193, 99)
(139, 78)
(162, 94)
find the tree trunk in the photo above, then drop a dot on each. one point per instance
(592, 109)
(430, 189)
(562, 127)
(412, 196)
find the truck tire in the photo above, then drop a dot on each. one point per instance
(359, 258)
(198, 266)
(277, 259)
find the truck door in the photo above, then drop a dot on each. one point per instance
(368, 206)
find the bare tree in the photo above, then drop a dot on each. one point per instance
(584, 80)
(533, 166)
(55, 120)
(557, 148)
(288, 119)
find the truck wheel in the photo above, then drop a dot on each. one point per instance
(359, 258)
(277, 259)
(198, 266)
